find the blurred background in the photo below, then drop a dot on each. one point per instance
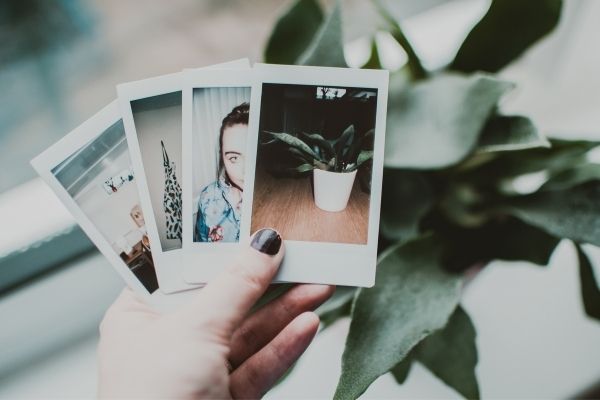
(59, 63)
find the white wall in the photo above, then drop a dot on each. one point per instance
(110, 212)
(152, 126)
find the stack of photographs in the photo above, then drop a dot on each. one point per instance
(170, 179)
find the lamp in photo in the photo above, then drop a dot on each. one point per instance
(334, 162)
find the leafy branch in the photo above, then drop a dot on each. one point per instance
(450, 198)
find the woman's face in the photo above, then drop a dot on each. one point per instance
(234, 144)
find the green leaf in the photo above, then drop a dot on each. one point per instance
(451, 354)
(573, 176)
(505, 32)
(327, 47)
(360, 143)
(414, 63)
(436, 123)
(304, 168)
(590, 293)
(301, 156)
(363, 157)
(338, 306)
(562, 155)
(294, 142)
(373, 62)
(407, 196)
(402, 369)
(510, 133)
(573, 214)
(412, 297)
(320, 141)
(293, 32)
(507, 239)
(344, 142)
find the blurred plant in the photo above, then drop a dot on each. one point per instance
(311, 150)
(450, 204)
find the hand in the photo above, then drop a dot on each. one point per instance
(211, 348)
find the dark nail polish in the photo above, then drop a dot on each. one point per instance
(266, 241)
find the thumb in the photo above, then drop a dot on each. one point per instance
(224, 302)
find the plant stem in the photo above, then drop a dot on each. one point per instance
(414, 63)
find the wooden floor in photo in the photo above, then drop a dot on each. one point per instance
(287, 205)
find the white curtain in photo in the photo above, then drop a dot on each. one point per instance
(210, 106)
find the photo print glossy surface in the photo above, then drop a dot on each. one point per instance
(315, 167)
(314, 162)
(158, 126)
(77, 168)
(74, 168)
(83, 175)
(216, 115)
(153, 117)
(219, 133)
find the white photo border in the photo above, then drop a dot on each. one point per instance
(168, 264)
(63, 149)
(312, 262)
(165, 262)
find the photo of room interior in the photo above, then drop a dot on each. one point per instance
(158, 128)
(312, 138)
(99, 178)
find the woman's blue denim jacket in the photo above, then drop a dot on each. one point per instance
(218, 218)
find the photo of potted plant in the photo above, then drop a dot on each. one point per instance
(333, 162)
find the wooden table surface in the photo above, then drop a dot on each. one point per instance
(287, 205)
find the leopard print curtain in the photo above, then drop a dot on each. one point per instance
(171, 198)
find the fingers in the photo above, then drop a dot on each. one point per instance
(223, 303)
(128, 300)
(262, 326)
(260, 372)
(126, 305)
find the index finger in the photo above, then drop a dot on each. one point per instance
(225, 301)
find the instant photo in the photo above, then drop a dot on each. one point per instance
(90, 170)
(152, 117)
(115, 213)
(314, 169)
(152, 114)
(216, 116)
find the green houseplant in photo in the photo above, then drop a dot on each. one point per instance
(450, 202)
(333, 162)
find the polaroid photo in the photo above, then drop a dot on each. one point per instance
(91, 173)
(314, 169)
(152, 116)
(216, 110)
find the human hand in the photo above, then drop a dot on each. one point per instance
(211, 348)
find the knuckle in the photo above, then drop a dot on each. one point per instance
(250, 276)
(248, 335)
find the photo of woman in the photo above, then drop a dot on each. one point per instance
(220, 202)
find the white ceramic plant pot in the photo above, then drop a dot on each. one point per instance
(332, 189)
